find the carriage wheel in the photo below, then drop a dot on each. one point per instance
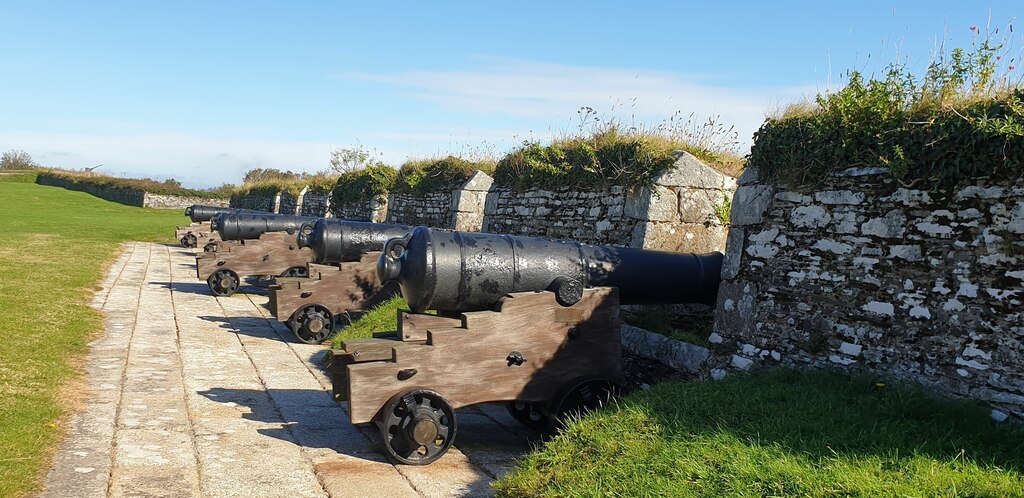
(528, 414)
(223, 282)
(417, 427)
(210, 247)
(189, 240)
(312, 324)
(580, 398)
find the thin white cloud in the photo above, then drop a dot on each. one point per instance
(528, 89)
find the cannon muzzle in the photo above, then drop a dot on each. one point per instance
(336, 241)
(198, 212)
(248, 225)
(467, 271)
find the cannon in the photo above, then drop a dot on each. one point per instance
(343, 278)
(200, 230)
(527, 321)
(265, 246)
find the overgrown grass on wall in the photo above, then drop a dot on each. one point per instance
(958, 121)
(143, 184)
(438, 175)
(371, 182)
(609, 155)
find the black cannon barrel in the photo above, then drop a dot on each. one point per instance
(335, 241)
(246, 226)
(466, 271)
(198, 212)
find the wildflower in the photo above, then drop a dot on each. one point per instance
(1012, 67)
(999, 57)
(974, 27)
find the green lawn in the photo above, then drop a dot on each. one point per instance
(780, 433)
(54, 247)
(382, 318)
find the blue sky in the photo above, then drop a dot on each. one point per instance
(203, 91)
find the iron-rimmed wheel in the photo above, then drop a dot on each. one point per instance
(189, 240)
(223, 282)
(210, 247)
(417, 427)
(528, 414)
(312, 324)
(296, 271)
(579, 398)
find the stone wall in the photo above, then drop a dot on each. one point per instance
(129, 196)
(467, 203)
(256, 202)
(432, 209)
(375, 210)
(678, 213)
(460, 209)
(316, 203)
(159, 201)
(289, 202)
(864, 273)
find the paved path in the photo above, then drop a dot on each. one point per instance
(192, 395)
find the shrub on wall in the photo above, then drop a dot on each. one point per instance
(268, 188)
(365, 184)
(957, 122)
(438, 175)
(607, 156)
(169, 187)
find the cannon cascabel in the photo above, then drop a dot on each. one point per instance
(336, 241)
(468, 271)
(247, 226)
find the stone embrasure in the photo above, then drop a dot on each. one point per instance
(867, 274)
(679, 212)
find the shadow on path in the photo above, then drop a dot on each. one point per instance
(312, 419)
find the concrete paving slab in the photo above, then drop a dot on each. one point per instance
(192, 395)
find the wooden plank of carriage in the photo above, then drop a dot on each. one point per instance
(471, 364)
(271, 254)
(351, 286)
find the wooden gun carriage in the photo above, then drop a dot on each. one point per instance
(266, 246)
(345, 280)
(526, 321)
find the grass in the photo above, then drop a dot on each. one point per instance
(692, 329)
(438, 175)
(959, 119)
(168, 187)
(56, 245)
(781, 433)
(382, 318)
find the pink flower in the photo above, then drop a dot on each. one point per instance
(974, 27)
(999, 57)
(1012, 67)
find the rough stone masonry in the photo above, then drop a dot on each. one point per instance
(864, 273)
